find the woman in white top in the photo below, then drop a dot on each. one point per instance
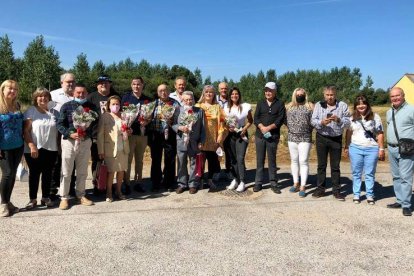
(41, 149)
(237, 140)
(364, 145)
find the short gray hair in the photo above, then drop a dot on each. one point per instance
(189, 93)
(64, 75)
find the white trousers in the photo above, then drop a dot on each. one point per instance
(299, 156)
(81, 159)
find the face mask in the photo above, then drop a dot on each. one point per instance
(300, 99)
(81, 101)
(115, 108)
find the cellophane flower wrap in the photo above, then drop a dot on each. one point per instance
(145, 113)
(188, 119)
(128, 115)
(82, 118)
(167, 112)
(231, 122)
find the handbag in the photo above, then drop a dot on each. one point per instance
(405, 145)
(22, 173)
(101, 175)
(199, 164)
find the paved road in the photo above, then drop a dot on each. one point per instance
(212, 234)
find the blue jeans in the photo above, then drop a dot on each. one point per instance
(402, 176)
(363, 159)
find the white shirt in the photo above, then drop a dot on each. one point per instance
(222, 103)
(44, 132)
(360, 137)
(176, 97)
(241, 116)
(59, 97)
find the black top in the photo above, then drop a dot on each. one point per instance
(99, 101)
(267, 115)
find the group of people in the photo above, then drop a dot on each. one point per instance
(195, 132)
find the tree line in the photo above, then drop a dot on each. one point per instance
(40, 67)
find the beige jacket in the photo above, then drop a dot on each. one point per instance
(108, 135)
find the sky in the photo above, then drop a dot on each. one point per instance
(224, 38)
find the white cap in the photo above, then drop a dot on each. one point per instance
(271, 85)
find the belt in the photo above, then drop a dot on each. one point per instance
(392, 145)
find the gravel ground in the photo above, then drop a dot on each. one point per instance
(212, 234)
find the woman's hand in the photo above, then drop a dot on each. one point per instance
(231, 129)
(346, 152)
(200, 146)
(101, 156)
(129, 131)
(381, 155)
(243, 132)
(34, 153)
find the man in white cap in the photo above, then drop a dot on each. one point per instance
(268, 118)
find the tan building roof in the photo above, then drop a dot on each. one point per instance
(410, 76)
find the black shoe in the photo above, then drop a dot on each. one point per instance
(338, 196)
(125, 189)
(180, 190)
(407, 212)
(276, 189)
(318, 193)
(257, 188)
(394, 206)
(138, 188)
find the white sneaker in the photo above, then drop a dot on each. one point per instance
(241, 187)
(233, 185)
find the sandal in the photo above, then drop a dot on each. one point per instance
(302, 193)
(294, 189)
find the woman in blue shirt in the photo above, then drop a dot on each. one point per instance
(11, 143)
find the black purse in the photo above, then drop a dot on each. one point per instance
(405, 145)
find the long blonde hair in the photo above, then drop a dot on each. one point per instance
(205, 88)
(4, 107)
(294, 103)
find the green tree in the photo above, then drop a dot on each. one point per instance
(8, 69)
(81, 70)
(40, 68)
(271, 75)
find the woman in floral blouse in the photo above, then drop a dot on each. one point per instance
(215, 131)
(11, 143)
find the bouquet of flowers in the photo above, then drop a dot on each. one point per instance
(231, 122)
(167, 112)
(82, 118)
(188, 119)
(145, 113)
(128, 115)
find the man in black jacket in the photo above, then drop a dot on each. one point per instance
(268, 118)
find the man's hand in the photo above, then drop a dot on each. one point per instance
(74, 136)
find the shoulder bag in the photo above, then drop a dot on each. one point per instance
(405, 145)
